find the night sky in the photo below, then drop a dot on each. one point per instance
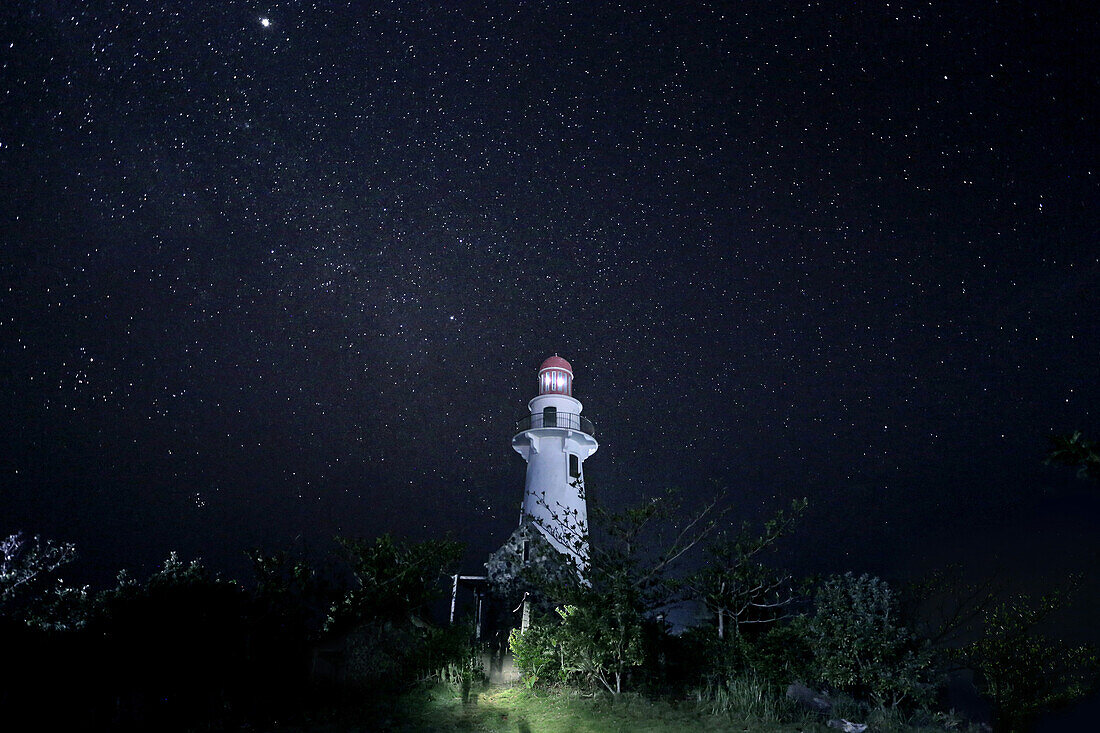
(273, 272)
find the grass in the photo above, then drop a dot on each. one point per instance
(517, 709)
(444, 707)
(750, 696)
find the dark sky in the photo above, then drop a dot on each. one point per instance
(270, 272)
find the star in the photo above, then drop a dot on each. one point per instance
(823, 236)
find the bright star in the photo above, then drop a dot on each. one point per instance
(265, 22)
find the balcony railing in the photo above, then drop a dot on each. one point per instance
(568, 420)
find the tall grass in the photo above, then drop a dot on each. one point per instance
(747, 695)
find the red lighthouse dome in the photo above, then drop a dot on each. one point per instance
(556, 376)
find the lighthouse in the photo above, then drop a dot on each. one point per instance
(550, 545)
(555, 440)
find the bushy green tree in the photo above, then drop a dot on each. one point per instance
(1025, 672)
(782, 653)
(287, 607)
(382, 640)
(593, 642)
(602, 642)
(536, 652)
(861, 647)
(290, 593)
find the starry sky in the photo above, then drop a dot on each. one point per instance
(273, 272)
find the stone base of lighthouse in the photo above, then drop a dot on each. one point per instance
(515, 579)
(524, 565)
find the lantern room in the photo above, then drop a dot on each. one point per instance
(556, 377)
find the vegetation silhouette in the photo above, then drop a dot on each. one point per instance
(351, 639)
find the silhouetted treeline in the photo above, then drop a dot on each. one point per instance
(187, 650)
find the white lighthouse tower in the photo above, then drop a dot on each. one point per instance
(555, 440)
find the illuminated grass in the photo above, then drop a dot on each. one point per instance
(520, 710)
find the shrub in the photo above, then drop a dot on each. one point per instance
(860, 648)
(535, 653)
(782, 654)
(1024, 672)
(601, 641)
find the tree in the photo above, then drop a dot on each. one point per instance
(24, 564)
(605, 606)
(382, 641)
(945, 607)
(173, 647)
(290, 595)
(288, 606)
(859, 646)
(1024, 672)
(734, 583)
(391, 579)
(602, 641)
(591, 640)
(29, 592)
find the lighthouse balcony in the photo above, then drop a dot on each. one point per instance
(551, 419)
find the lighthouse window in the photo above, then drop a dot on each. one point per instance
(574, 466)
(550, 417)
(526, 551)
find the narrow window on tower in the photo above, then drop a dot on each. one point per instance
(526, 551)
(574, 466)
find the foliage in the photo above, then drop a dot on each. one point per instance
(859, 647)
(535, 652)
(25, 567)
(392, 579)
(649, 539)
(945, 608)
(637, 546)
(451, 659)
(783, 653)
(1024, 672)
(591, 642)
(287, 606)
(60, 608)
(602, 642)
(734, 583)
(395, 655)
(290, 598)
(448, 651)
(626, 581)
(288, 581)
(377, 640)
(1077, 452)
(178, 644)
